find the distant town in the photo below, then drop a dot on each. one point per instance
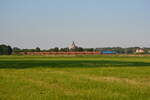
(72, 49)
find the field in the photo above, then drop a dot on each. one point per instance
(74, 78)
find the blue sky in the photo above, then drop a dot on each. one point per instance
(90, 23)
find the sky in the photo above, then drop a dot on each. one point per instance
(90, 23)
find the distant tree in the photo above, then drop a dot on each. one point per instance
(44, 50)
(10, 50)
(28, 50)
(147, 50)
(64, 50)
(16, 49)
(72, 50)
(88, 49)
(37, 49)
(128, 51)
(32, 50)
(5, 50)
(25, 50)
(80, 49)
(56, 49)
(118, 50)
(1, 50)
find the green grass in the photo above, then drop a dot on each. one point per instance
(74, 78)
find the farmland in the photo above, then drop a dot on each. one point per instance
(74, 77)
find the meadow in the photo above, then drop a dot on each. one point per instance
(74, 78)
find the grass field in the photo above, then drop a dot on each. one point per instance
(74, 78)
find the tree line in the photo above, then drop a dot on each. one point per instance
(55, 49)
(118, 50)
(8, 50)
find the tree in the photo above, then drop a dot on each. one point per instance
(37, 49)
(56, 49)
(5, 50)
(88, 49)
(80, 49)
(1, 50)
(16, 49)
(64, 49)
(118, 50)
(10, 50)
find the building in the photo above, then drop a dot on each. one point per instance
(139, 51)
(73, 46)
(108, 52)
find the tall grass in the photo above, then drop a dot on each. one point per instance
(74, 78)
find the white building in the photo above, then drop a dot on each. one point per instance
(139, 51)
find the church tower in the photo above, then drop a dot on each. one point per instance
(73, 46)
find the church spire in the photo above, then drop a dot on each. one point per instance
(72, 46)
